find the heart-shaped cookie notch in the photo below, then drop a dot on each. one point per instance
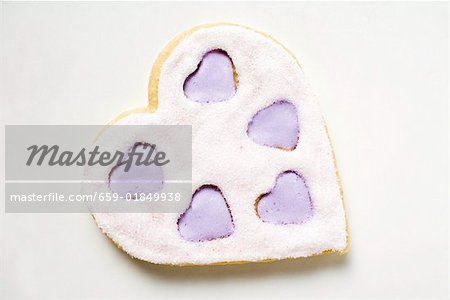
(275, 126)
(208, 216)
(214, 80)
(288, 202)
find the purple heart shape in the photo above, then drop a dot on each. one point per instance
(275, 126)
(138, 179)
(213, 81)
(207, 218)
(288, 202)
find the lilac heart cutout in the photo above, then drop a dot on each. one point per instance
(288, 202)
(207, 218)
(213, 81)
(275, 126)
(138, 179)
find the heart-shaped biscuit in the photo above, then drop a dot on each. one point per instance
(240, 134)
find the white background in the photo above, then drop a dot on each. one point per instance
(381, 73)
